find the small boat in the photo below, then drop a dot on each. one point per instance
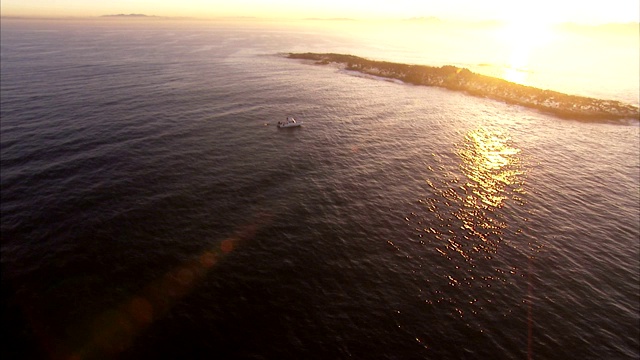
(290, 122)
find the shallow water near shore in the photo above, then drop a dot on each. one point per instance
(152, 209)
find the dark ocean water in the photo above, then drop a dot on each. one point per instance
(151, 209)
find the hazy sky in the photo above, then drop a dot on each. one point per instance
(589, 11)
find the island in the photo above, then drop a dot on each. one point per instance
(461, 79)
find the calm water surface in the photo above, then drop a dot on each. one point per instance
(151, 209)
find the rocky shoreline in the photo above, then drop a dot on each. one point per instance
(461, 79)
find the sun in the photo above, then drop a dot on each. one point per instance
(520, 37)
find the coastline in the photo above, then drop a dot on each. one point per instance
(461, 79)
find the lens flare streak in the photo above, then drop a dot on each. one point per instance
(115, 330)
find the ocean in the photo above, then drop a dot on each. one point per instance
(152, 209)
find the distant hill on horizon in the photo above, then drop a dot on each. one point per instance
(129, 15)
(329, 19)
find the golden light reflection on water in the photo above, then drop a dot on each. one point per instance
(491, 165)
(464, 223)
(468, 221)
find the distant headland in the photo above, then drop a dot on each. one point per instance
(129, 15)
(461, 79)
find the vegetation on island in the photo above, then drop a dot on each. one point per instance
(461, 79)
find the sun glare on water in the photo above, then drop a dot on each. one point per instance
(521, 37)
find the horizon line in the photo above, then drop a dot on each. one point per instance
(418, 19)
